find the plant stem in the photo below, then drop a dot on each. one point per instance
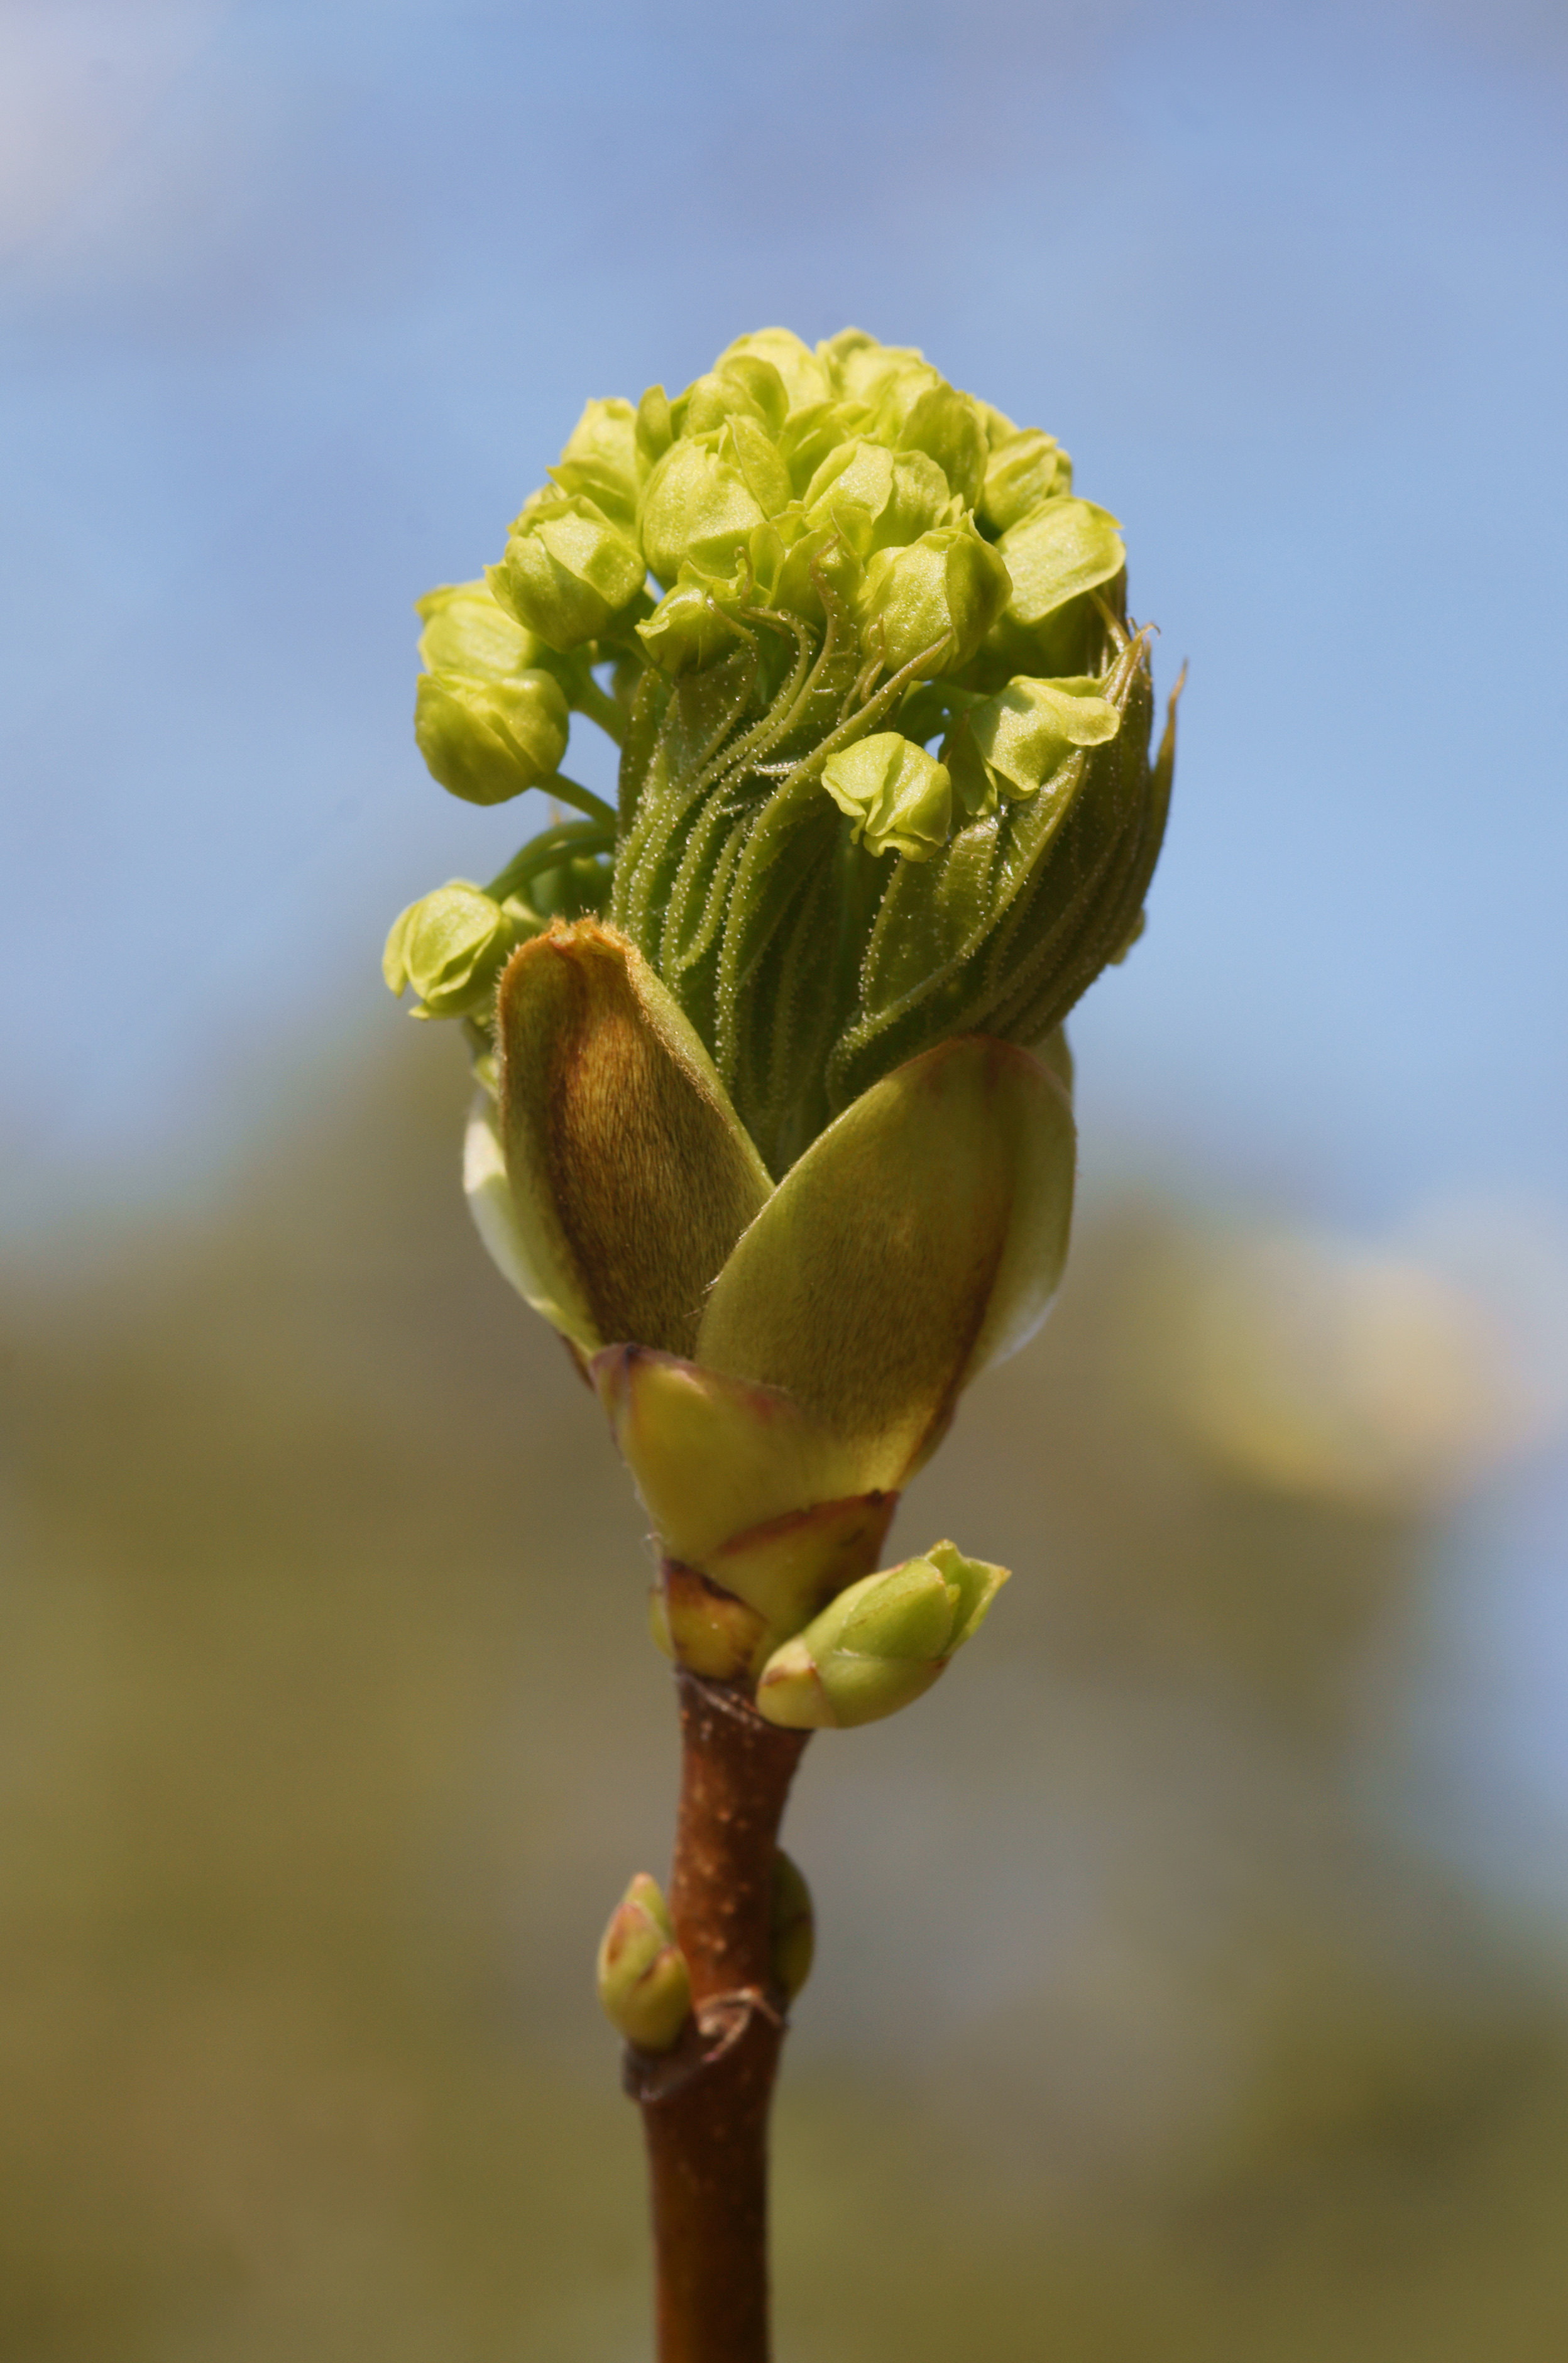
(705, 2109)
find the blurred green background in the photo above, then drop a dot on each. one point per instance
(1192, 1968)
(1138, 2029)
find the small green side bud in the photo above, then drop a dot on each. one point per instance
(644, 1989)
(451, 947)
(936, 598)
(881, 1643)
(600, 459)
(794, 1927)
(899, 797)
(489, 740)
(1026, 469)
(568, 571)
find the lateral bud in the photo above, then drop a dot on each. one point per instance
(793, 1927)
(883, 1642)
(644, 1989)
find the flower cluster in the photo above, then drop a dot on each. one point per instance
(885, 772)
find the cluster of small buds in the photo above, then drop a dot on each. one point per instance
(884, 729)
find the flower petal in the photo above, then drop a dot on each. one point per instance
(922, 1237)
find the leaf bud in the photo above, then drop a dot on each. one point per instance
(794, 1927)
(934, 599)
(899, 797)
(881, 1643)
(1026, 469)
(568, 571)
(489, 740)
(451, 947)
(644, 1987)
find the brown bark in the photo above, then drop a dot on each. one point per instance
(705, 2106)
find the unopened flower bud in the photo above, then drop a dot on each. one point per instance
(916, 410)
(743, 385)
(899, 797)
(1011, 744)
(860, 367)
(934, 599)
(860, 563)
(489, 740)
(451, 947)
(568, 571)
(803, 376)
(876, 497)
(1026, 469)
(794, 1927)
(645, 1989)
(705, 497)
(880, 1644)
(688, 630)
(467, 631)
(600, 459)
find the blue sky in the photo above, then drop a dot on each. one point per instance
(297, 301)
